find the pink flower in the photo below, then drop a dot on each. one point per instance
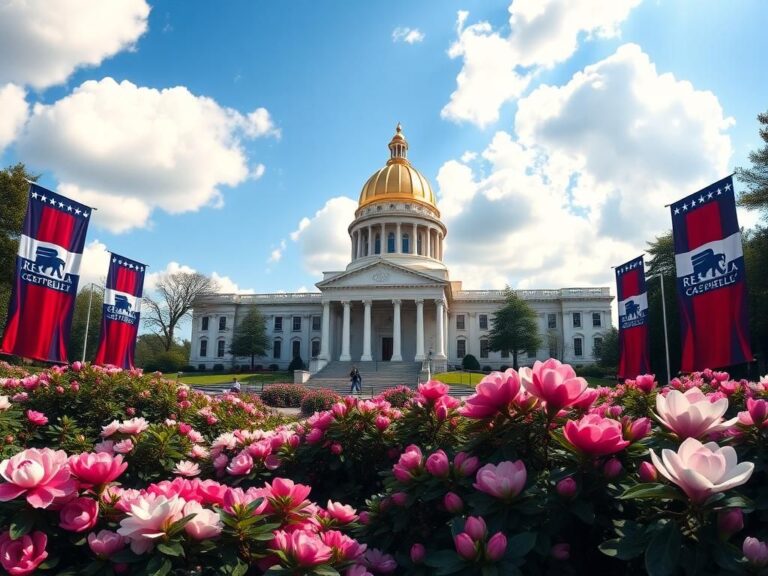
(124, 446)
(379, 562)
(23, 555)
(205, 524)
(433, 389)
(418, 553)
(647, 472)
(612, 469)
(465, 465)
(79, 515)
(476, 528)
(755, 551)
(496, 547)
(692, 414)
(595, 436)
(561, 551)
(105, 543)
(566, 488)
(40, 474)
(37, 418)
(756, 413)
(645, 382)
(342, 513)
(465, 546)
(729, 522)
(4, 403)
(284, 493)
(409, 464)
(635, 430)
(437, 464)
(702, 469)
(382, 422)
(105, 447)
(585, 401)
(554, 383)
(453, 503)
(93, 469)
(186, 468)
(399, 499)
(304, 548)
(344, 548)
(504, 481)
(241, 464)
(493, 394)
(148, 519)
(133, 426)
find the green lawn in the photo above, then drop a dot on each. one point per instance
(220, 378)
(459, 378)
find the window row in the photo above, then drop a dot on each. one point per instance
(205, 320)
(296, 323)
(277, 348)
(220, 347)
(578, 348)
(597, 320)
(482, 321)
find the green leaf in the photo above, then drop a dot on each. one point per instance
(240, 568)
(171, 548)
(653, 491)
(491, 570)
(445, 562)
(623, 548)
(584, 511)
(22, 523)
(324, 570)
(663, 551)
(520, 544)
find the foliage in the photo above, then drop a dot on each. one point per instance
(79, 319)
(608, 351)
(469, 362)
(296, 364)
(398, 396)
(317, 400)
(514, 327)
(284, 395)
(151, 354)
(756, 177)
(250, 336)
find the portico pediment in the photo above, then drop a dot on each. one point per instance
(382, 274)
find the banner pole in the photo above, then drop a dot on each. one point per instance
(664, 314)
(87, 320)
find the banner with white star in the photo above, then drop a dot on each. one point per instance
(121, 312)
(632, 296)
(47, 275)
(711, 284)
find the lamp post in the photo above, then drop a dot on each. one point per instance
(660, 276)
(88, 319)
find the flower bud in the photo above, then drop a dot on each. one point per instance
(729, 522)
(561, 551)
(437, 464)
(464, 464)
(475, 527)
(399, 499)
(755, 551)
(496, 547)
(647, 472)
(612, 469)
(465, 546)
(453, 503)
(566, 488)
(418, 553)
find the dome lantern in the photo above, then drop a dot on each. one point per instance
(398, 146)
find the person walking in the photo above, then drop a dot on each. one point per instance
(356, 380)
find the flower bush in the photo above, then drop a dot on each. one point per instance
(104, 471)
(316, 400)
(284, 395)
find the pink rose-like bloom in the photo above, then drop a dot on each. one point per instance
(504, 481)
(133, 426)
(37, 418)
(635, 430)
(124, 446)
(465, 465)
(148, 519)
(79, 515)
(109, 429)
(554, 383)
(437, 464)
(205, 524)
(382, 422)
(104, 447)
(645, 382)
(96, 468)
(105, 543)
(304, 548)
(475, 527)
(433, 389)
(453, 503)
(344, 548)
(41, 475)
(496, 547)
(186, 468)
(702, 469)
(561, 551)
(566, 488)
(465, 546)
(595, 436)
(409, 464)
(285, 493)
(692, 414)
(418, 552)
(755, 551)
(756, 413)
(493, 394)
(342, 513)
(23, 555)
(647, 472)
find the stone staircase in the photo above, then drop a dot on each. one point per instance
(376, 375)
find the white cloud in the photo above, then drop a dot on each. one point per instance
(128, 150)
(323, 239)
(498, 68)
(95, 264)
(225, 284)
(14, 113)
(583, 185)
(408, 35)
(43, 42)
(277, 254)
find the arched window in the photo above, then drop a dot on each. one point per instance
(203, 348)
(277, 349)
(377, 244)
(391, 242)
(220, 349)
(406, 244)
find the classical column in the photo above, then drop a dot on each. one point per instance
(419, 329)
(370, 241)
(396, 355)
(415, 241)
(352, 245)
(439, 331)
(398, 240)
(325, 336)
(359, 243)
(345, 357)
(366, 357)
(383, 243)
(440, 246)
(428, 234)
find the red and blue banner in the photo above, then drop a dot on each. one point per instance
(47, 275)
(121, 312)
(632, 297)
(711, 283)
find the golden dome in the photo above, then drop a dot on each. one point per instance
(398, 180)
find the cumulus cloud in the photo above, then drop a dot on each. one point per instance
(323, 239)
(277, 254)
(583, 183)
(497, 68)
(43, 42)
(95, 264)
(14, 113)
(407, 35)
(225, 284)
(128, 150)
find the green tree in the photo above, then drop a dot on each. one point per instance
(608, 351)
(13, 203)
(250, 336)
(151, 354)
(514, 327)
(756, 177)
(756, 265)
(79, 318)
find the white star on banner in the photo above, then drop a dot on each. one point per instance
(727, 186)
(114, 259)
(52, 201)
(69, 208)
(85, 214)
(701, 199)
(709, 196)
(34, 194)
(677, 211)
(685, 207)
(43, 198)
(719, 191)
(77, 211)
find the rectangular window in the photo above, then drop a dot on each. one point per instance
(484, 348)
(551, 321)
(315, 348)
(203, 348)
(277, 348)
(296, 344)
(483, 321)
(577, 348)
(204, 323)
(596, 320)
(278, 323)
(460, 322)
(316, 323)
(598, 344)
(222, 322)
(297, 323)
(577, 319)
(220, 349)
(505, 353)
(461, 348)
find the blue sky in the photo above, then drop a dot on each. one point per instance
(553, 139)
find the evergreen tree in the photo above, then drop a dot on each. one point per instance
(756, 177)
(608, 351)
(514, 327)
(250, 336)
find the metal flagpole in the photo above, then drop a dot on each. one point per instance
(664, 314)
(87, 320)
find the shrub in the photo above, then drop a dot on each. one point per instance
(594, 371)
(503, 368)
(318, 400)
(469, 362)
(218, 367)
(201, 367)
(188, 368)
(284, 395)
(274, 367)
(397, 396)
(487, 368)
(258, 368)
(297, 364)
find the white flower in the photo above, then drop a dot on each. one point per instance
(693, 414)
(186, 468)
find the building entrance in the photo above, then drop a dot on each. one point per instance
(386, 349)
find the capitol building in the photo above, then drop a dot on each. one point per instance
(396, 303)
